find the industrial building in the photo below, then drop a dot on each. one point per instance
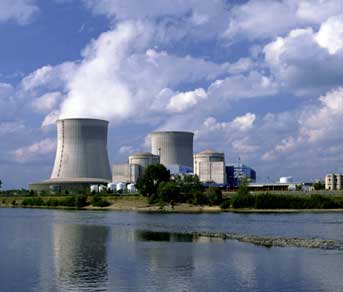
(334, 181)
(236, 172)
(209, 166)
(173, 148)
(130, 172)
(81, 156)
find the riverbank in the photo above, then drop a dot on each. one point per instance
(140, 204)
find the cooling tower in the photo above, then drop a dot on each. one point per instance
(81, 150)
(173, 147)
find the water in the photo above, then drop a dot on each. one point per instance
(53, 250)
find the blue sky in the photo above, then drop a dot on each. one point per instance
(259, 79)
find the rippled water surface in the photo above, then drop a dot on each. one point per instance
(53, 250)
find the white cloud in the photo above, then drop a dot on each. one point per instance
(21, 11)
(10, 127)
(49, 77)
(34, 151)
(185, 100)
(303, 66)
(330, 35)
(51, 118)
(47, 101)
(265, 19)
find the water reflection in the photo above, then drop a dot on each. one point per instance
(80, 256)
(79, 251)
(144, 235)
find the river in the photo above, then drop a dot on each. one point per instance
(57, 250)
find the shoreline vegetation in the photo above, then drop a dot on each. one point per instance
(159, 192)
(273, 203)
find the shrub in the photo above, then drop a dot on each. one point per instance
(98, 201)
(246, 201)
(226, 203)
(168, 192)
(214, 196)
(199, 198)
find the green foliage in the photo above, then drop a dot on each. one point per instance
(214, 196)
(243, 201)
(243, 189)
(199, 198)
(188, 183)
(78, 201)
(168, 192)
(319, 185)
(153, 175)
(226, 203)
(98, 201)
(35, 201)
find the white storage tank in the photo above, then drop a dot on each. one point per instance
(132, 188)
(121, 187)
(94, 188)
(111, 187)
(286, 179)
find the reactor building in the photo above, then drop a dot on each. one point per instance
(131, 171)
(209, 166)
(174, 148)
(81, 155)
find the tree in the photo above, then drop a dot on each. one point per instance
(243, 189)
(188, 183)
(153, 175)
(319, 185)
(168, 192)
(214, 196)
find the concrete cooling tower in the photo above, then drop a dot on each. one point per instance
(81, 149)
(174, 148)
(81, 155)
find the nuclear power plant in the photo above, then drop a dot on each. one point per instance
(81, 155)
(82, 159)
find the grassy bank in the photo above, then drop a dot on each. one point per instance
(264, 202)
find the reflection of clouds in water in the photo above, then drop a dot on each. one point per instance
(80, 255)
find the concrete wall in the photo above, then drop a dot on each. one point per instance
(81, 149)
(212, 171)
(173, 147)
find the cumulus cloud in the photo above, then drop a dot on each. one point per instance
(305, 62)
(34, 151)
(21, 11)
(266, 19)
(185, 100)
(47, 101)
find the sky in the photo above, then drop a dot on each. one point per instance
(261, 80)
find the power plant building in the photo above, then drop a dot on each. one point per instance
(334, 181)
(209, 166)
(81, 155)
(130, 172)
(174, 148)
(236, 172)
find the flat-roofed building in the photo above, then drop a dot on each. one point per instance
(334, 181)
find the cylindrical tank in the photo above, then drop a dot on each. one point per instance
(173, 147)
(286, 179)
(111, 187)
(121, 187)
(131, 188)
(81, 149)
(94, 188)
